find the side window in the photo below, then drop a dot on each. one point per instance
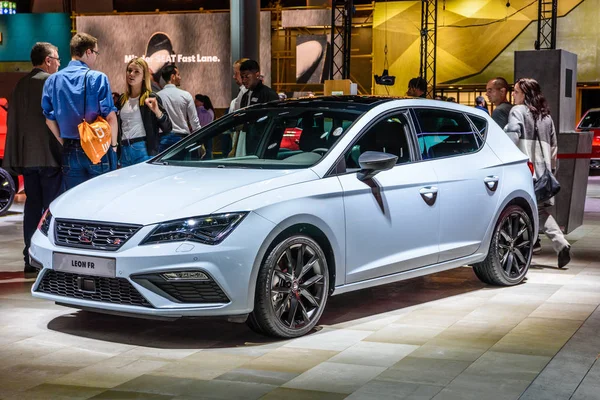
(388, 135)
(444, 133)
(480, 123)
(311, 132)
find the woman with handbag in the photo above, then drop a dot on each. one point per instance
(531, 128)
(140, 116)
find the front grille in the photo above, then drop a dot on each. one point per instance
(193, 292)
(93, 235)
(108, 290)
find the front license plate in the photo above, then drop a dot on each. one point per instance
(84, 265)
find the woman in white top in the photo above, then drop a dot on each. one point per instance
(140, 115)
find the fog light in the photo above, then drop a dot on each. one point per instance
(185, 276)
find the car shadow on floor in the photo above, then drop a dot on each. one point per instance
(204, 333)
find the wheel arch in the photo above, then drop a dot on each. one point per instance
(319, 236)
(523, 200)
(285, 230)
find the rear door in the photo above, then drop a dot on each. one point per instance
(469, 177)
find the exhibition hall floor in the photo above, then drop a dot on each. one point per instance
(444, 336)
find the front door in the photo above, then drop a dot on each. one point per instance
(391, 221)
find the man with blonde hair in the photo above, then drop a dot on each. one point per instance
(63, 106)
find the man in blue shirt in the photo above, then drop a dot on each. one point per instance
(63, 102)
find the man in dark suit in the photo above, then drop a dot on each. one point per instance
(257, 93)
(31, 148)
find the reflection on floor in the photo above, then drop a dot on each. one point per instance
(446, 336)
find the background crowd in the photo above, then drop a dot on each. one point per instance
(48, 107)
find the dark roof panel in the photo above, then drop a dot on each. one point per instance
(362, 103)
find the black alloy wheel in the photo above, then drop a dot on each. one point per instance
(292, 289)
(510, 250)
(7, 191)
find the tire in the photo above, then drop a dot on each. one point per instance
(291, 291)
(7, 191)
(510, 250)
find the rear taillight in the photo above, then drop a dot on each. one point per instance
(530, 165)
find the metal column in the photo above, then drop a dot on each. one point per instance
(546, 32)
(428, 44)
(245, 32)
(341, 28)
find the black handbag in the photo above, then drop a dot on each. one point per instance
(547, 185)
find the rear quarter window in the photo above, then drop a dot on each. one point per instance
(445, 133)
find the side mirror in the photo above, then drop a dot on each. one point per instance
(373, 162)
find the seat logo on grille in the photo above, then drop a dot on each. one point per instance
(87, 235)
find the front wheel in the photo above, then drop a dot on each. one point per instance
(510, 250)
(292, 289)
(7, 191)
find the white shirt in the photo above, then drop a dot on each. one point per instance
(236, 103)
(131, 119)
(180, 108)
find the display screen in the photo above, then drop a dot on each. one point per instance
(9, 7)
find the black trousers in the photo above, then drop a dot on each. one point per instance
(42, 186)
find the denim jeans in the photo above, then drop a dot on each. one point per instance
(169, 140)
(77, 167)
(42, 186)
(133, 154)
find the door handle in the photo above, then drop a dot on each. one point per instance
(491, 182)
(429, 194)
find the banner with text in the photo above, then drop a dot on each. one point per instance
(198, 44)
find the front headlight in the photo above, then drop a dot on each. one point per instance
(212, 229)
(44, 223)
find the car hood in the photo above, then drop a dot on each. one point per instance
(146, 193)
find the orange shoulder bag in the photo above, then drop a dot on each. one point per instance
(94, 137)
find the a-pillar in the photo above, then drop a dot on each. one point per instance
(245, 32)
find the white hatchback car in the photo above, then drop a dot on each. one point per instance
(377, 190)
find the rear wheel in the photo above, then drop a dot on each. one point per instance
(7, 191)
(292, 289)
(510, 250)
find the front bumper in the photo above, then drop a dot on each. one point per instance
(138, 286)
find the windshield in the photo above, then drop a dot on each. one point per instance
(591, 120)
(273, 138)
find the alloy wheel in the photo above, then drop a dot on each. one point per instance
(298, 286)
(515, 244)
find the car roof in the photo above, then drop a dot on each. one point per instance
(361, 103)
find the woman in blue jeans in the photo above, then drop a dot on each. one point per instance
(142, 118)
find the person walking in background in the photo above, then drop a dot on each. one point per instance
(141, 114)
(497, 93)
(180, 107)
(206, 115)
(63, 105)
(531, 128)
(31, 148)
(480, 104)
